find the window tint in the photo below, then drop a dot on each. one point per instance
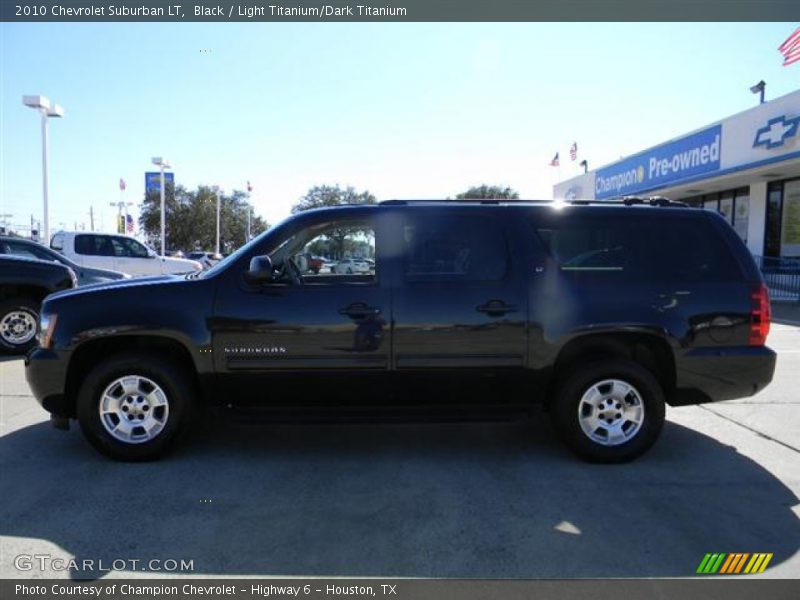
(646, 250)
(29, 250)
(454, 248)
(94, 245)
(338, 252)
(128, 248)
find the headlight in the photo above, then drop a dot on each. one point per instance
(47, 326)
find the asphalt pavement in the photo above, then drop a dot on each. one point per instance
(411, 500)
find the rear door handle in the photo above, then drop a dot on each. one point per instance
(359, 310)
(496, 308)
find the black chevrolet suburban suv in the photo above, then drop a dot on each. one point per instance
(601, 313)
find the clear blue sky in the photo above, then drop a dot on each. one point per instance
(404, 110)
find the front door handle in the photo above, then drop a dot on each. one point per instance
(496, 308)
(359, 310)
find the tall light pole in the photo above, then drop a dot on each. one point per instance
(162, 164)
(46, 110)
(216, 189)
(249, 211)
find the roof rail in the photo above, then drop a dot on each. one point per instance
(626, 200)
(652, 201)
(464, 201)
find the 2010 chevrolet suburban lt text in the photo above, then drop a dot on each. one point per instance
(601, 313)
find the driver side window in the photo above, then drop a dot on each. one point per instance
(340, 252)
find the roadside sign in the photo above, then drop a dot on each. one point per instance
(152, 181)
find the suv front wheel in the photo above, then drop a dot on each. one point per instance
(132, 407)
(609, 411)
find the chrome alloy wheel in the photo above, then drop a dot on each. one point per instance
(134, 409)
(611, 412)
(18, 327)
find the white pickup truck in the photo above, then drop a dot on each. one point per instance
(117, 252)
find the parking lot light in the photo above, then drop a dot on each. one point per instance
(759, 89)
(216, 190)
(46, 110)
(162, 164)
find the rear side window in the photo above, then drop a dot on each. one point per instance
(28, 250)
(636, 249)
(93, 245)
(454, 248)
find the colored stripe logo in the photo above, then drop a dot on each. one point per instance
(734, 563)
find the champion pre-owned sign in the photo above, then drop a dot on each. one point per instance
(687, 157)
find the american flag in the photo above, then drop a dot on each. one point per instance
(573, 151)
(122, 184)
(554, 162)
(129, 224)
(249, 187)
(791, 48)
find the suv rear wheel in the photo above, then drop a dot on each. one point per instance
(609, 411)
(133, 408)
(19, 324)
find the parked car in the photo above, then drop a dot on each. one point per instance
(207, 259)
(20, 247)
(117, 252)
(351, 265)
(474, 309)
(309, 263)
(24, 283)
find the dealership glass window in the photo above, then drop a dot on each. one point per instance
(772, 234)
(726, 206)
(741, 212)
(790, 223)
(711, 202)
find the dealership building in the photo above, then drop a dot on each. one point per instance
(747, 167)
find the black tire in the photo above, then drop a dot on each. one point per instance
(180, 400)
(25, 305)
(578, 381)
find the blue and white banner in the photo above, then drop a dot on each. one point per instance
(671, 162)
(152, 180)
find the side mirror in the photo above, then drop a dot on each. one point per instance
(260, 271)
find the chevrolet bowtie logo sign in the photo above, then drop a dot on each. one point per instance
(736, 563)
(776, 132)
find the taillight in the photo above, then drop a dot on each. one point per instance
(760, 316)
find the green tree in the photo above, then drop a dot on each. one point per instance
(191, 219)
(342, 241)
(320, 196)
(489, 192)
